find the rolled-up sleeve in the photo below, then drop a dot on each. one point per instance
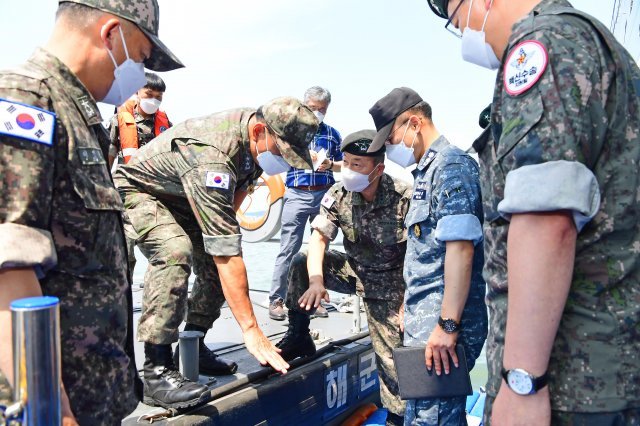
(210, 189)
(552, 186)
(325, 227)
(26, 247)
(459, 227)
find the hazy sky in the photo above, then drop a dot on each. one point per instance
(245, 52)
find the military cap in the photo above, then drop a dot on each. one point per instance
(485, 117)
(387, 109)
(295, 125)
(358, 144)
(440, 7)
(145, 14)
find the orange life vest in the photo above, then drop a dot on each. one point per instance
(129, 131)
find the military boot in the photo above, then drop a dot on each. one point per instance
(297, 341)
(209, 363)
(164, 386)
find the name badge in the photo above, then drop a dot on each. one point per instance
(420, 194)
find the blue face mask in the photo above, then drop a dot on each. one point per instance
(271, 164)
(129, 78)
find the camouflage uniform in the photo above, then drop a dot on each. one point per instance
(375, 243)
(146, 132)
(178, 194)
(572, 142)
(61, 215)
(446, 206)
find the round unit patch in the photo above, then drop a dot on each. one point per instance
(524, 66)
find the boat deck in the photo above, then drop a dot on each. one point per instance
(311, 393)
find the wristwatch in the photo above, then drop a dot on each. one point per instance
(448, 325)
(523, 383)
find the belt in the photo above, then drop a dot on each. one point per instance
(312, 187)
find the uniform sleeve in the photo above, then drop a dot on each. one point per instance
(327, 221)
(552, 134)
(26, 188)
(114, 137)
(458, 203)
(210, 188)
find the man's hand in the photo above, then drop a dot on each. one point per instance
(68, 419)
(264, 350)
(314, 294)
(325, 165)
(439, 346)
(512, 409)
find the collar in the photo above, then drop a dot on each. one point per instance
(70, 83)
(525, 25)
(427, 158)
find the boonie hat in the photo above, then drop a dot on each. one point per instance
(386, 110)
(358, 143)
(294, 125)
(145, 14)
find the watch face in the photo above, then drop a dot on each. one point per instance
(520, 382)
(448, 325)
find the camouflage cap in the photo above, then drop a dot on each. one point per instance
(440, 7)
(294, 125)
(145, 14)
(358, 143)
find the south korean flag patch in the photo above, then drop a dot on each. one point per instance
(327, 201)
(27, 122)
(217, 180)
(525, 65)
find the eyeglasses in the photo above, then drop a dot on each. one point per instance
(388, 141)
(452, 29)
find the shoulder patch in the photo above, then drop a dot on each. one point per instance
(524, 66)
(27, 122)
(217, 180)
(327, 201)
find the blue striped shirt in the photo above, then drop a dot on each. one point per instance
(328, 138)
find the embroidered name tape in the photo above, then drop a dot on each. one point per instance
(524, 66)
(217, 180)
(27, 122)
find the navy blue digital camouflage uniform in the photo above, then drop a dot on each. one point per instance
(446, 206)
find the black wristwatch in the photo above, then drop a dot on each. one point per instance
(522, 382)
(448, 325)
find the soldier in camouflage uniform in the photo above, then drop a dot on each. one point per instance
(371, 217)
(60, 215)
(444, 300)
(180, 194)
(560, 182)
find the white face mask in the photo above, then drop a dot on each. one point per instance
(271, 164)
(319, 116)
(400, 153)
(354, 181)
(129, 78)
(475, 49)
(149, 105)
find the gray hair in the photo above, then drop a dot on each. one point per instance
(317, 93)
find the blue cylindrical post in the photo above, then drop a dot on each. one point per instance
(36, 359)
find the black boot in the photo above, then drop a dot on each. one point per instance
(297, 341)
(209, 363)
(164, 386)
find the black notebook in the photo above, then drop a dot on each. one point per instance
(416, 382)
